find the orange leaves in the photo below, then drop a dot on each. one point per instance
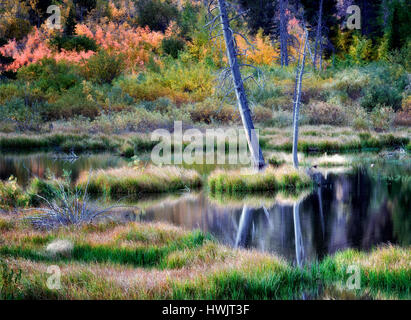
(35, 48)
(135, 44)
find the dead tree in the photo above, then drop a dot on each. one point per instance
(233, 53)
(318, 37)
(297, 98)
(299, 244)
(283, 33)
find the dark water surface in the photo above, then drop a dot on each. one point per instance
(26, 166)
(352, 210)
(360, 208)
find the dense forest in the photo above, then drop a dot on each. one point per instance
(124, 66)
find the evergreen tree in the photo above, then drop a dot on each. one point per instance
(70, 23)
(260, 15)
(399, 24)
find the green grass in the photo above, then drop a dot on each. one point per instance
(237, 181)
(64, 142)
(171, 263)
(146, 256)
(366, 144)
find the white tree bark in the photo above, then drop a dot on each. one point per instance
(298, 238)
(252, 138)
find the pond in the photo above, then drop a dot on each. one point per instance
(26, 166)
(351, 210)
(360, 207)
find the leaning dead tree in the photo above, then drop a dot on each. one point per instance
(221, 23)
(297, 96)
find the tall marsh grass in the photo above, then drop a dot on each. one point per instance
(151, 179)
(246, 180)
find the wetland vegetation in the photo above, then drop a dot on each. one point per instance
(79, 188)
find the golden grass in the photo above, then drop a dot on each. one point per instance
(381, 259)
(132, 180)
(201, 271)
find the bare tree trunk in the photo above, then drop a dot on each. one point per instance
(283, 33)
(297, 99)
(244, 227)
(319, 33)
(299, 245)
(321, 54)
(252, 138)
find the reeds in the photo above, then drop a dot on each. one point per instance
(247, 180)
(130, 181)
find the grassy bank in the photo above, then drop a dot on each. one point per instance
(322, 138)
(129, 181)
(58, 141)
(246, 180)
(152, 261)
(335, 139)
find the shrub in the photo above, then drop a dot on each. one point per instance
(48, 75)
(12, 195)
(135, 44)
(34, 48)
(381, 95)
(280, 119)
(25, 116)
(156, 14)
(350, 82)
(261, 114)
(360, 120)
(8, 91)
(71, 103)
(275, 162)
(210, 110)
(178, 81)
(325, 113)
(15, 29)
(104, 67)
(70, 43)
(172, 46)
(382, 118)
(403, 117)
(68, 207)
(138, 120)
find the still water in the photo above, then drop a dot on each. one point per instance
(351, 210)
(360, 207)
(26, 166)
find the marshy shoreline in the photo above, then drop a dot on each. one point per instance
(158, 261)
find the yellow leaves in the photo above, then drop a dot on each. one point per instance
(264, 53)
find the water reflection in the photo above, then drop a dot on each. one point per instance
(25, 166)
(351, 210)
(358, 208)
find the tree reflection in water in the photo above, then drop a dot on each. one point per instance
(351, 210)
